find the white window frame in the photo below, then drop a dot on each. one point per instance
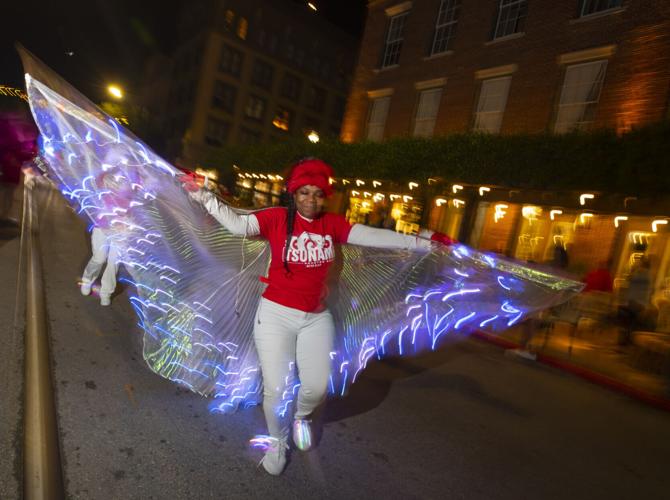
(598, 11)
(394, 40)
(563, 107)
(502, 6)
(447, 19)
(375, 130)
(480, 124)
(424, 126)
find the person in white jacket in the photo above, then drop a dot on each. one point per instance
(292, 323)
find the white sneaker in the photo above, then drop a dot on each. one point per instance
(85, 288)
(274, 460)
(302, 434)
(105, 300)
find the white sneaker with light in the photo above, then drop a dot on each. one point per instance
(105, 300)
(85, 288)
(302, 434)
(274, 460)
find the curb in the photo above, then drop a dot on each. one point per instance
(594, 377)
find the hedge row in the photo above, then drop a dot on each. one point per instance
(636, 163)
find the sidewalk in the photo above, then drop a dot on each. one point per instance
(595, 356)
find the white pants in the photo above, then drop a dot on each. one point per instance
(284, 335)
(103, 252)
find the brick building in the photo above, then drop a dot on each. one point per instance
(442, 66)
(248, 71)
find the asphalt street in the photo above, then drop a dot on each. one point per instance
(464, 422)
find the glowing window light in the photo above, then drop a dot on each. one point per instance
(366, 194)
(355, 193)
(584, 216)
(483, 189)
(366, 204)
(458, 203)
(255, 176)
(263, 176)
(431, 180)
(240, 175)
(360, 182)
(531, 212)
(248, 175)
(271, 177)
(456, 188)
(554, 213)
(345, 181)
(376, 183)
(407, 198)
(394, 196)
(500, 211)
(279, 177)
(412, 185)
(656, 223)
(440, 201)
(585, 196)
(331, 180)
(378, 197)
(618, 219)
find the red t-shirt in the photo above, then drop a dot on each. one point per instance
(311, 251)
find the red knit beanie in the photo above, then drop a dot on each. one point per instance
(311, 172)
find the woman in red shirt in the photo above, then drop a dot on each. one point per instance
(292, 324)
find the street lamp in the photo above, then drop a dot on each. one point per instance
(311, 6)
(115, 91)
(313, 136)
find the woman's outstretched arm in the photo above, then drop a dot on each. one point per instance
(242, 225)
(385, 238)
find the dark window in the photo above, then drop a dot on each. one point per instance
(248, 136)
(445, 26)
(394, 38)
(316, 98)
(261, 38)
(593, 6)
(231, 60)
(338, 107)
(282, 119)
(216, 133)
(255, 108)
(262, 74)
(311, 123)
(290, 87)
(511, 17)
(299, 57)
(325, 70)
(315, 64)
(224, 96)
(272, 46)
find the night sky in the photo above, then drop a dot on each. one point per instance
(94, 42)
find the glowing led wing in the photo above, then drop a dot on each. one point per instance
(195, 285)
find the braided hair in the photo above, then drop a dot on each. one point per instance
(291, 210)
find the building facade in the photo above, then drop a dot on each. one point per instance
(254, 71)
(432, 67)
